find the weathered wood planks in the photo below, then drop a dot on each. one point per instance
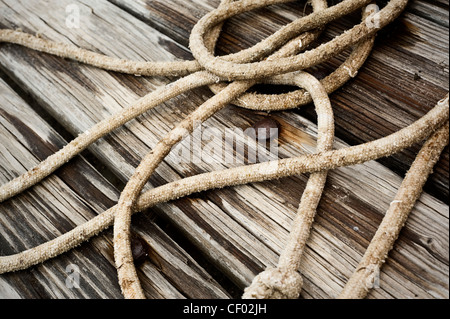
(241, 229)
(403, 78)
(76, 194)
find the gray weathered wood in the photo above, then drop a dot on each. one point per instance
(242, 229)
(403, 78)
(76, 194)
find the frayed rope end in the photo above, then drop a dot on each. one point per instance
(274, 283)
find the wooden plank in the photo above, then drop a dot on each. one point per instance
(76, 194)
(240, 229)
(436, 11)
(403, 78)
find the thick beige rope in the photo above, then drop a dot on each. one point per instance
(290, 100)
(284, 281)
(227, 69)
(128, 279)
(244, 65)
(104, 127)
(284, 101)
(270, 44)
(175, 68)
(358, 154)
(260, 102)
(153, 99)
(82, 141)
(409, 192)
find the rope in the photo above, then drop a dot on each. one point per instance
(277, 59)
(408, 193)
(285, 281)
(271, 170)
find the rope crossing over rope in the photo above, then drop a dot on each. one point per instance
(278, 59)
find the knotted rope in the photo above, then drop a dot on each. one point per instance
(278, 59)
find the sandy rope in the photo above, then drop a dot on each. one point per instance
(284, 281)
(408, 136)
(409, 192)
(267, 68)
(128, 278)
(84, 140)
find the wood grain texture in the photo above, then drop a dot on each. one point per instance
(403, 78)
(76, 194)
(242, 229)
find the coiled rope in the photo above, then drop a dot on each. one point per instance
(278, 59)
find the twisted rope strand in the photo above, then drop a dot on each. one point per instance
(53, 162)
(285, 101)
(290, 100)
(352, 155)
(174, 68)
(77, 145)
(227, 69)
(263, 48)
(409, 192)
(128, 279)
(284, 281)
(177, 68)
